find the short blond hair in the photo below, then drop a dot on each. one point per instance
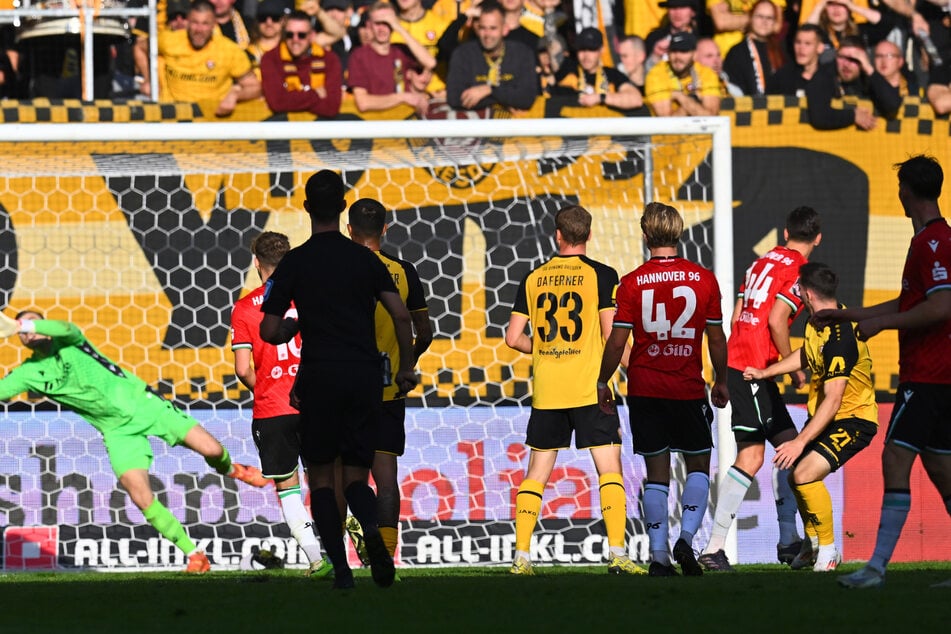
(662, 225)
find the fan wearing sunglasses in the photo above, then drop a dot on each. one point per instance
(299, 75)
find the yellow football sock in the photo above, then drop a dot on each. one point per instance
(390, 535)
(816, 509)
(528, 504)
(613, 508)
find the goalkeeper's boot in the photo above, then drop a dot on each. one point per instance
(320, 568)
(806, 558)
(381, 563)
(785, 553)
(522, 566)
(683, 555)
(622, 565)
(355, 531)
(249, 475)
(866, 577)
(715, 562)
(827, 560)
(658, 569)
(198, 563)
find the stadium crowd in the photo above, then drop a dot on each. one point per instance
(638, 57)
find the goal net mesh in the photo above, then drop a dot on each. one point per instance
(145, 246)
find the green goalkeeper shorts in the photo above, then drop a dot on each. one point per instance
(128, 445)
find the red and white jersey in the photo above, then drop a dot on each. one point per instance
(773, 277)
(667, 303)
(275, 367)
(924, 354)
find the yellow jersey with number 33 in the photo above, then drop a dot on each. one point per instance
(563, 300)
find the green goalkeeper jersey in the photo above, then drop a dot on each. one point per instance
(74, 374)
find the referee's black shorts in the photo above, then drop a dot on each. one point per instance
(340, 411)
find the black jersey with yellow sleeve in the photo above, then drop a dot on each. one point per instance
(834, 353)
(563, 300)
(410, 289)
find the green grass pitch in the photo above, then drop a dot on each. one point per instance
(562, 600)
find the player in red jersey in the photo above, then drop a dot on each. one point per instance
(269, 372)
(668, 303)
(921, 420)
(767, 304)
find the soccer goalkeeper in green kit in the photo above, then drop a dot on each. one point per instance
(66, 368)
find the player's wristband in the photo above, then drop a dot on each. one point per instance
(27, 325)
(602, 385)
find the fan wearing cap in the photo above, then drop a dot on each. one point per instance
(490, 71)
(681, 17)
(592, 82)
(300, 75)
(679, 86)
(267, 29)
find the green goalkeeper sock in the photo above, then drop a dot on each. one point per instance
(221, 464)
(170, 528)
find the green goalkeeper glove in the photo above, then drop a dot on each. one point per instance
(8, 327)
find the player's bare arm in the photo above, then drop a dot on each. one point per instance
(423, 328)
(515, 336)
(935, 309)
(403, 327)
(789, 363)
(242, 367)
(737, 309)
(779, 333)
(716, 346)
(826, 316)
(788, 452)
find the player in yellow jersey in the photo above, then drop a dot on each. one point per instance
(569, 301)
(843, 415)
(367, 224)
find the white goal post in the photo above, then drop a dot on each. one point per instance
(139, 233)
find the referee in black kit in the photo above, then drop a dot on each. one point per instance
(335, 284)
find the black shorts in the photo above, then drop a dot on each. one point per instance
(340, 411)
(278, 443)
(759, 413)
(551, 428)
(392, 439)
(921, 420)
(663, 424)
(842, 439)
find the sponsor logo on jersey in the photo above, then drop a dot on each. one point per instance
(934, 245)
(938, 272)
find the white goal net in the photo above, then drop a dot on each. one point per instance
(140, 233)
